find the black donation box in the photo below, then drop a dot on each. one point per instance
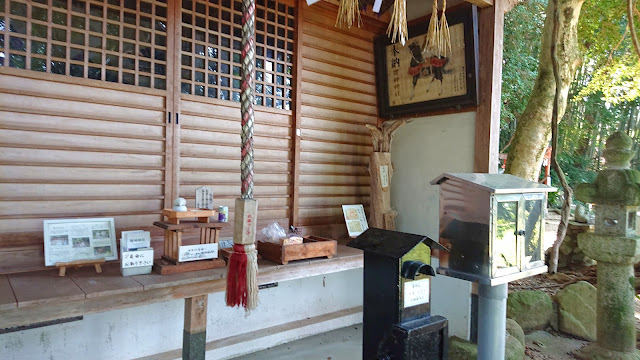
(397, 281)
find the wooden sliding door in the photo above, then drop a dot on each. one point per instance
(83, 105)
(209, 128)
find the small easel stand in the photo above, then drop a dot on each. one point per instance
(62, 266)
(170, 262)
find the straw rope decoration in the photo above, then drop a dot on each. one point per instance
(397, 29)
(437, 42)
(347, 13)
(444, 39)
(246, 97)
(431, 39)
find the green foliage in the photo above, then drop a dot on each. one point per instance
(522, 41)
(577, 169)
(604, 97)
(617, 82)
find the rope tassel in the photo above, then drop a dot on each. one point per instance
(242, 283)
(242, 271)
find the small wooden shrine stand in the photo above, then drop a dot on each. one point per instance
(174, 226)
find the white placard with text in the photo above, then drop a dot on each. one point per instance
(384, 176)
(355, 218)
(416, 292)
(142, 257)
(136, 239)
(198, 252)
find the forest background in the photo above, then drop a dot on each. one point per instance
(604, 96)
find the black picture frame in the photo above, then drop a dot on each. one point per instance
(467, 15)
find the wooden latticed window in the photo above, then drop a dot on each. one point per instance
(211, 50)
(112, 40)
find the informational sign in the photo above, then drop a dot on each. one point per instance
(355, 219)
(198, 252)
(133, 240)
(416, 292)
(204, 198)
(79, 239)
(142, 257)
(384, 176)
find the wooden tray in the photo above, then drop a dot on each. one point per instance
(312, 247)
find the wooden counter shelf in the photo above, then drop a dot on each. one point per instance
(28, 298)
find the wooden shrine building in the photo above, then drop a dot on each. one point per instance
(114, 108)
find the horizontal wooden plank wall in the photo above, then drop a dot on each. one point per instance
(338, 98)
(75, 148)
(210, 155)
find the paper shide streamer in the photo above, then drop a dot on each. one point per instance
(437, 41)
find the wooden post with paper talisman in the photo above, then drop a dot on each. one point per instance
(381, 170)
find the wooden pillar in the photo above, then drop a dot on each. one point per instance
(490, 31)
(194, 337)
(296, 134)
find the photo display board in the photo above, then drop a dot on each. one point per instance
(355, 218)
(79, 239)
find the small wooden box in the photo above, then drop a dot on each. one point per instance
(312, 247)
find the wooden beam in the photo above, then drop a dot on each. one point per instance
(194, 337)
(482, 3)
(490, 31)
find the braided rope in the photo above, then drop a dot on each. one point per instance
(246, 97)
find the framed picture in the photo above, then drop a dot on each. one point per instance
(410, 81)
(79, 239)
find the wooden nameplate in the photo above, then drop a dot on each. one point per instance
(62, 266)
(166, 266)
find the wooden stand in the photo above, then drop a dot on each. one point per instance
(62, 266)
(174, 226)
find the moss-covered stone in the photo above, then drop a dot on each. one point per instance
(577, 310)
(531, 309)
(515, 330)
(460, 349)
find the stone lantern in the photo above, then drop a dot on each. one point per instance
(616, 246)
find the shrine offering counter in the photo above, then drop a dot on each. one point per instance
(40, 296)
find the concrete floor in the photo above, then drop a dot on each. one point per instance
(341, 344)
(346, 344)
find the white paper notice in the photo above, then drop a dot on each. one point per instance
(355, 218)
(384, 176)
(133, 240)
(416, 292)
(137, 258)
(198, 252)
(204, 198)
(79, 239)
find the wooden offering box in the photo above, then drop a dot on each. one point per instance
(312, 247)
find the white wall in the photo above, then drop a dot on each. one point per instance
(421, 150)
(152, 329)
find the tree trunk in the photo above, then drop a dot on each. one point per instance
(534, 126)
